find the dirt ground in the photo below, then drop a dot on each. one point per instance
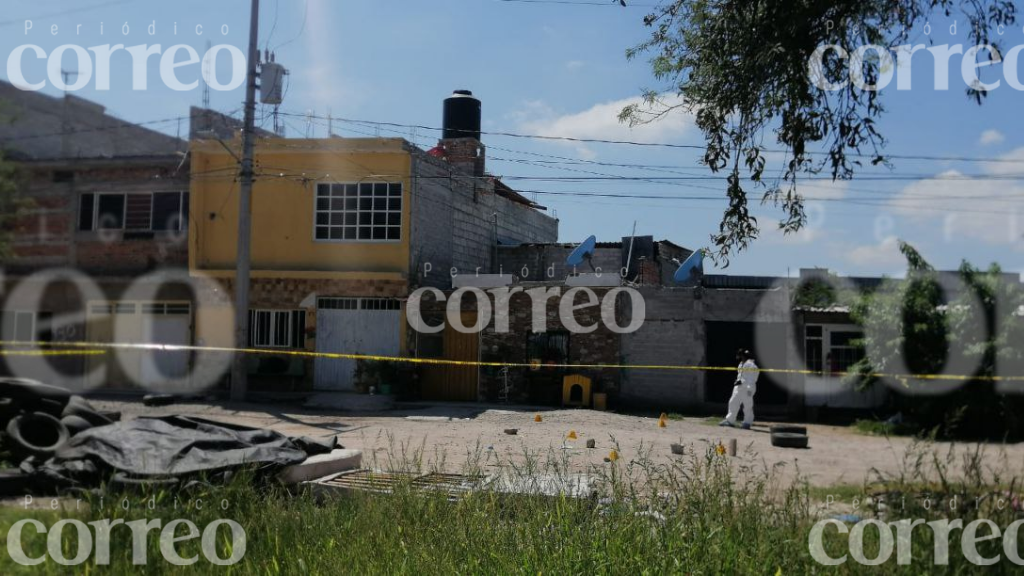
(452, 433)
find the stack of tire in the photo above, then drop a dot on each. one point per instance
(789, 436)
(36, 419)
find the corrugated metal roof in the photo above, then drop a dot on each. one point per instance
(744, 282)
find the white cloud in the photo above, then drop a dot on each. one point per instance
(885, 254)
(990, 137)
(1011, 163)
(961, 206)
(823, 189)
(574, 64)
(601, 122)
(772, 234)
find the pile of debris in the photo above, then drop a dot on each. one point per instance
(64, 443)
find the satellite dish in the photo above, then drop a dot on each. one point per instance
(691, 269)
(582, 252)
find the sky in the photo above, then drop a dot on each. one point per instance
(559, 69)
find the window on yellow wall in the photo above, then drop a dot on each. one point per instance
(277, 328)
(358, 212)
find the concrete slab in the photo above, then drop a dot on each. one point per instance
(482, 280)
(350, 401)
(322, 465)
(569, 485)
(595, 280)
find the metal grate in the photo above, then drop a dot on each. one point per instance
(453, 485)
(368, 480)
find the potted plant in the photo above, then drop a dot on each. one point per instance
(387, 374)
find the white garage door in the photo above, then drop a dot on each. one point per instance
(165, 324)
(146, 323)
(353, 326)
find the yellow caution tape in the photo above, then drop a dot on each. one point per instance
(445, 362)
(52, 352)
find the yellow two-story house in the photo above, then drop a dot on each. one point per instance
(343, 229)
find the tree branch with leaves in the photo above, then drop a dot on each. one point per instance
(741, 67)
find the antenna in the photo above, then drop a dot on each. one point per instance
(583, 252)
(691, 271)
(278, 126)
(206, 74)
(65, 74)
(629, 255)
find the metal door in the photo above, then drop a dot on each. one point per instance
(165, 324)
(374, 332)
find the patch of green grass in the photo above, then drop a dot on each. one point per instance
(838, 492)
(878, 428)
(697, 515)
(706, 420)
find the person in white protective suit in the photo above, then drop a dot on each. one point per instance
(743, 392)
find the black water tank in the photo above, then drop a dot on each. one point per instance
(461, 115)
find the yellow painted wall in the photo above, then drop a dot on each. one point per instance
(283, 207)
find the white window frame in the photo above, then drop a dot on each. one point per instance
(274, 318)
(182, 199)
(358, 303)
(386, 211)
(826, 343)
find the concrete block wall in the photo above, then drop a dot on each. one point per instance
(453, 221)
(672, 334)
(547, 262)
(432, 222)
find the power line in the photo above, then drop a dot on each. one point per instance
(543, 137)
(659, 168)
(850, 201)
(65, 12)
(664, 179)
(721, 178)
(125, 125)
(277, 7)
(599, 176)
(655, 144)
(121, 125)
(615, 4)
(302, 29)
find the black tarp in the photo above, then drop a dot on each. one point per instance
(180, 445)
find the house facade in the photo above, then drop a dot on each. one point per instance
(96, 247)
(343, 230)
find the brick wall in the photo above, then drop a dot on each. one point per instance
(48, 236)
(289, 293)
(544, 384)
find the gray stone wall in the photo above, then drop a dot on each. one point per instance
(453, 222)
(674, 333)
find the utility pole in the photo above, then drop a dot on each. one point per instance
(239, 376)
